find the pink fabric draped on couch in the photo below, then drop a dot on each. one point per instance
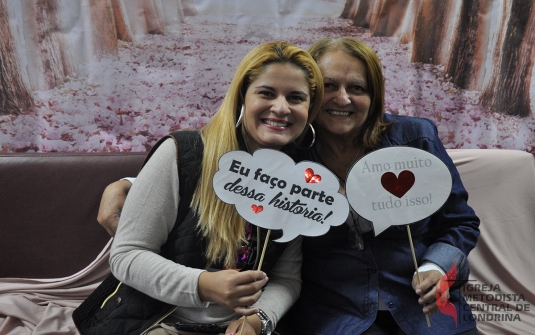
(501, 185)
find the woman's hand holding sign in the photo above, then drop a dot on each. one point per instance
(272, 192)
(233, 289)
(427, 290)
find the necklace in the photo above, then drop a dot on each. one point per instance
(347, 165)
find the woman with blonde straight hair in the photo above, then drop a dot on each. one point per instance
(219, 137)
(182, 260)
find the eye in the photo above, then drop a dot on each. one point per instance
(297, 98)
(329, 86)
(357, 88)
(266, 93)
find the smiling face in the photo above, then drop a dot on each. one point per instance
(346, 102)
(276, 107)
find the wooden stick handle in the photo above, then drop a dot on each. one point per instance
(416, 267)
(264, 249)
(259, 267)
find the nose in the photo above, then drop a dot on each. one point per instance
(280, 106)
(342, 98)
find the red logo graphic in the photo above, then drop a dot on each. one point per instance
(257, 209)
(312, 178)
(443, 304)
(398, 186)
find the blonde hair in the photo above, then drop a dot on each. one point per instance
(219, 222)
(373, 126)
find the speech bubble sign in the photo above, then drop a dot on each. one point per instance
(397, 186)
(269, 190)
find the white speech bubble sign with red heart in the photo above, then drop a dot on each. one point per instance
(397, 186)
(271, 191)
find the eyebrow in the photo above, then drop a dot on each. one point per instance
(273, 89)
(354, 81)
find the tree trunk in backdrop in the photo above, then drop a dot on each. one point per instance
(15, 96)
(104, 33)
(54, 61)
(469, 44)
(121, 24)
(431, 31)
(144, 18)
(360, 11)
(389, 18)
(508, 91)
(188, 7)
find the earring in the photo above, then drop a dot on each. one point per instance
(313, 138)
(241, 115)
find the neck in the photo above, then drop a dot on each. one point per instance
(339, 147)
(338, 154)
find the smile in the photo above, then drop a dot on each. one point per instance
(281, 124)
(338, 113)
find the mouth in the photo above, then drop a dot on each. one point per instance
(338, 113)
(276, 123)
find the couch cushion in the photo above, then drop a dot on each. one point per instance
(48, 210)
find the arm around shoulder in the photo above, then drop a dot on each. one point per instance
(111, 205)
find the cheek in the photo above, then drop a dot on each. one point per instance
(365, 102)
(304, 113)
(251, 109)
(327, 96)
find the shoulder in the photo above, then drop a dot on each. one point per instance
(186, 135)
(402, 122)
(189, 144)
(164, 153)
(406, 129)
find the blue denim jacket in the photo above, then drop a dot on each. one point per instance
(342, 285)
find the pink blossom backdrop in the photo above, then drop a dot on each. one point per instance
(154, 81)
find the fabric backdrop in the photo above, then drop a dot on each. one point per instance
(116, 75)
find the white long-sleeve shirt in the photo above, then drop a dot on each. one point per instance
(147, 218)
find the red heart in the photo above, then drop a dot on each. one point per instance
(398, 186)
(257, 209)
(312, 178)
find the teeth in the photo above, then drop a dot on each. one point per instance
(276, 124)
(338, 113)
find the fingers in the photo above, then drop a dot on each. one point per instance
(429, 279)
(232, 288)
(248, 290)
(235, 328)
(250, 276)
(245, 311)
(427, 290)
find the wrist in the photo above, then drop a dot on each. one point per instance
(266, 323)
(203, 286)
(255, 322)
